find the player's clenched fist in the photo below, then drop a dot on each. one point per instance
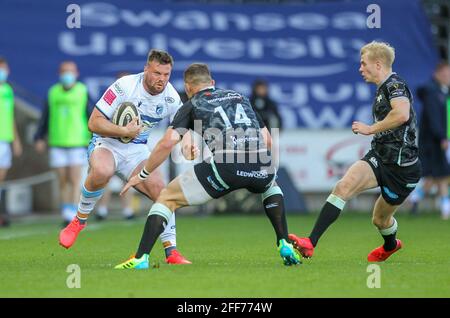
(360, 128)
(133, 128)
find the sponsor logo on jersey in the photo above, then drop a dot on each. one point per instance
(253, 174)
(149, 122)
(229, 96)
(148, 125)
(374, 161)
(109, 97)
(169, 99)
(119, 89)
(214, 185)
(244, 139)
(234, 95)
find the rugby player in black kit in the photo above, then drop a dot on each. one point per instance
(391, 164)
(239, 142)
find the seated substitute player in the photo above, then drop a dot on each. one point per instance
(155, 99)
(392, 163)
(238, 140)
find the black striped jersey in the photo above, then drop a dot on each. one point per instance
(397, 145)
(224, 118)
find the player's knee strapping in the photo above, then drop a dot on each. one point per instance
(161, 210)
(88, 199)
(336, 201)
(169, 237)
(157, 221)
(270, 192)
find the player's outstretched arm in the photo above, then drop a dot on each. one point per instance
(159, 154)
(398, 115)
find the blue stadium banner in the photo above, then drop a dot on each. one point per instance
(309, 53)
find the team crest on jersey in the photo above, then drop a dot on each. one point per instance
(396, 89)
(159, 110)
(169, 99)
(379, 98)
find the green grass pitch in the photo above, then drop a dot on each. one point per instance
(233, 256)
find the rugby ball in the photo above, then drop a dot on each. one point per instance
(124, 114)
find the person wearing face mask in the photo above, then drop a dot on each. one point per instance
(8, 132)
(64, 123)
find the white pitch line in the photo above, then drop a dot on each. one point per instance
(25, 233)
(21, 234)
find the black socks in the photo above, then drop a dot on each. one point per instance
(327, 216)
(153, 228)
(274, 207)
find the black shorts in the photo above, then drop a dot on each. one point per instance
(219, 179)
(395, 182)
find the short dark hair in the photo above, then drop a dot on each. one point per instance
(259, 82)
(162, 57)
(3, 60)
(441, 65)
(67, 62)
(197, 73)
